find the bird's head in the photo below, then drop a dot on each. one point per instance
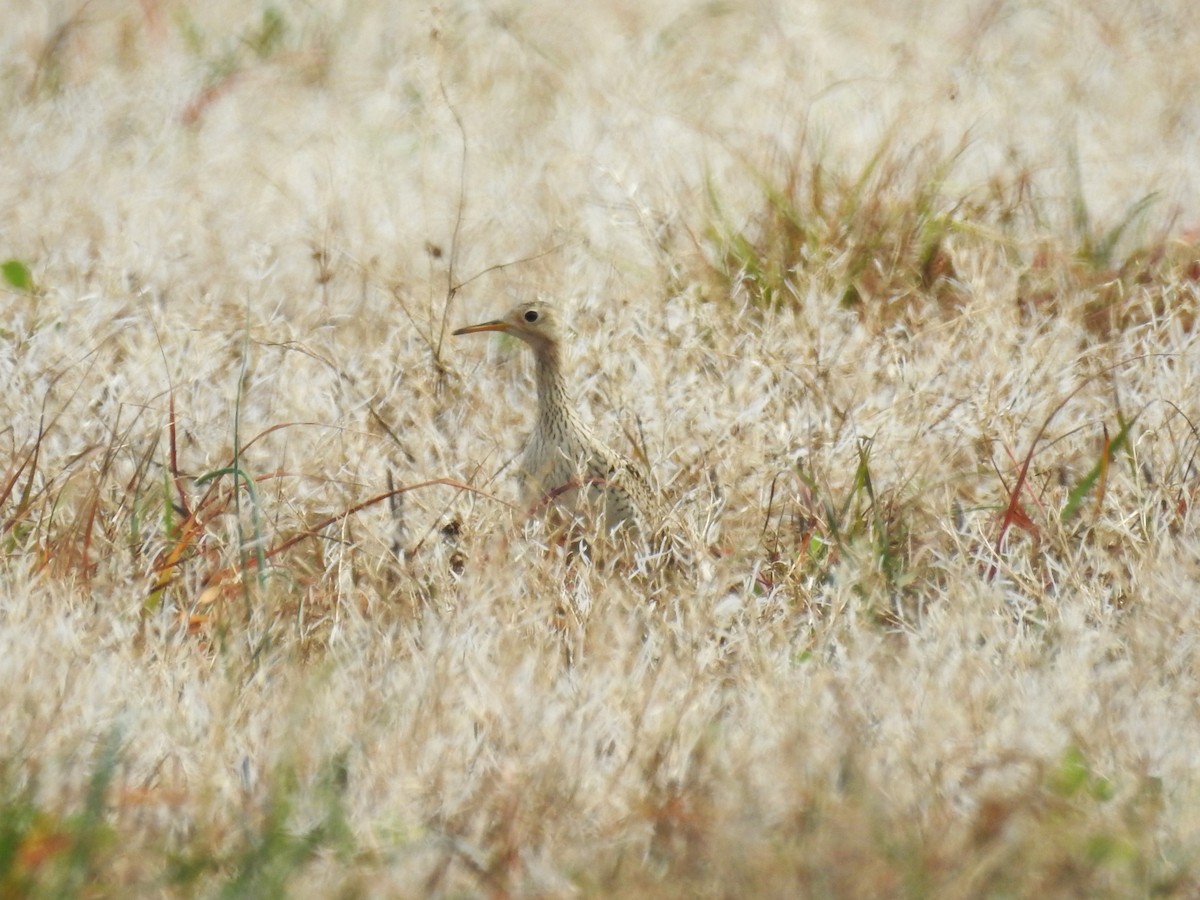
(534, 322)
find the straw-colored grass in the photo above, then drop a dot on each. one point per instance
(898, 302)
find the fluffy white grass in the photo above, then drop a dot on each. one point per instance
(198, 200)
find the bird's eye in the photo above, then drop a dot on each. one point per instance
(531, 315)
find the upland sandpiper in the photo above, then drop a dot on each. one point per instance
(564, 466)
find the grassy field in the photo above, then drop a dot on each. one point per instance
(897, 302)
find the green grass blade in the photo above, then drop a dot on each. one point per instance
(1081, 490)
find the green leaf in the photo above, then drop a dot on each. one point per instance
(1072, 774)
(1084, 487)
(17, 274)
(1104, 849)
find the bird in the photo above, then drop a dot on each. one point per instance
(564, 466)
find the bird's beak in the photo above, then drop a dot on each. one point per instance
(497, 325)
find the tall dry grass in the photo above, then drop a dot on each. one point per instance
(897, 302)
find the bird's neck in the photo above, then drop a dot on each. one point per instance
(553, 397)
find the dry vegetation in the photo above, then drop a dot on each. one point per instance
(898, 301)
